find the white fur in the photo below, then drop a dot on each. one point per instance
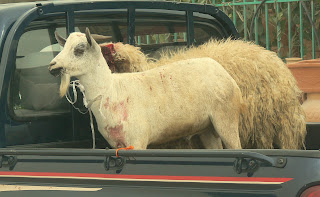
(181, 99)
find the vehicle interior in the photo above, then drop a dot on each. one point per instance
(40, 118)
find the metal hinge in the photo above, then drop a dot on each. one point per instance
(8, 161)
(244, 165)
(114, 163)
(249, 166)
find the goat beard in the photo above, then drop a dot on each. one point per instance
(65, 81)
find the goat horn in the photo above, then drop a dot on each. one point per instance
(61, 40)
(98, 37)
(88, 36)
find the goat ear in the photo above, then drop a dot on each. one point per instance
(61, 40)
(100, 38)
(88, 36)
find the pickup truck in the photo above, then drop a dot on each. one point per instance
(46, 146)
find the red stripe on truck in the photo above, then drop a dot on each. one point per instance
(162, 178)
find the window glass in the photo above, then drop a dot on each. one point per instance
(155, 30)
(39, 117)
(109, 23)
(34, 91)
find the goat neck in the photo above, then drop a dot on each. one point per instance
(97, 81)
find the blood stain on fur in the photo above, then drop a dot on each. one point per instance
(150, 88)
(116, 132)
(125, 114)
(106, 105)
(161, 76)
(121, 109)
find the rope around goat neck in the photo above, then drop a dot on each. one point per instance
(76, 84)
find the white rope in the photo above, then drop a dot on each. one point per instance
(92, 130)
(74, 84)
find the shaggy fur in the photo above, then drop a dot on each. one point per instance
(274, 118)
(183, 98)
(129, 63)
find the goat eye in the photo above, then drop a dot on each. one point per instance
(79, 50)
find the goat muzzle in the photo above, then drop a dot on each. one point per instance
(54, 71)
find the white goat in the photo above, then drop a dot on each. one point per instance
(155, 106)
